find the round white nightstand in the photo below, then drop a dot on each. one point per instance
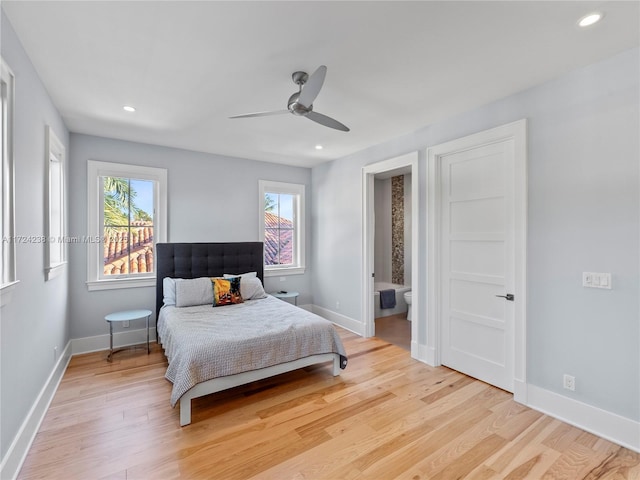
(282, 295)
(126, 316)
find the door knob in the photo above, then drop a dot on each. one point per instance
(508, 296)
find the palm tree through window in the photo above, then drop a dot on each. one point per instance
(128, 226)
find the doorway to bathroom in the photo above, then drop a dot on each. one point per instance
(390, 241)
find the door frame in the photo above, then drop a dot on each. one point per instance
(516, 131)
(368, 175)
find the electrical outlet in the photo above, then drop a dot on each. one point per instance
(55, 353)
(569, 382)
(337, 305)
(125, 324)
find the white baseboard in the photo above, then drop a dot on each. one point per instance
(15, 456)
(520, 392)
(421, 352)
(615, 428)
(343, 321)
(120, 339)
(430, 356)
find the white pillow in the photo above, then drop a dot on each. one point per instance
(194, 291)
(251, 288)
(169, 290)
(243, 275)
(250, 285)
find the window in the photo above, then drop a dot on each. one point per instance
(282, 227)
(7, 223)
(127, 217)
(56, 251)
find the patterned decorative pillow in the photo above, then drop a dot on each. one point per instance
(226, 291)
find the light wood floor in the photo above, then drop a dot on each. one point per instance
(386, 417)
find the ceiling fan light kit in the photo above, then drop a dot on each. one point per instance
(301, 102)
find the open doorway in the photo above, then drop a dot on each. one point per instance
(390, 250)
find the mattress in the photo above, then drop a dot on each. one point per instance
(202, 342)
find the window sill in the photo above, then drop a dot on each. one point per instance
(54, 271)
(6, 292)
(121, 283)
(280, 272)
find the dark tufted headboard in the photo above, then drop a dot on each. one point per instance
(193, 260)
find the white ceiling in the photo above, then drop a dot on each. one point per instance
(393, 67)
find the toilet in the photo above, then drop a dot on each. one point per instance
(407, 298)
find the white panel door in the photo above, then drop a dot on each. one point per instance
(477, 262)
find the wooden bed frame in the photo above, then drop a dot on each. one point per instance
(193, 260)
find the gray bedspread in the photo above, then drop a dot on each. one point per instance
(203, 342)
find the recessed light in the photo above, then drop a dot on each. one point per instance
(319, 147)
(128, 108)
(590, 19)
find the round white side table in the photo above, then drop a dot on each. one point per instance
(126, 316)
(283, 295)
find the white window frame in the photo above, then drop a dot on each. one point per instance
(55, 252)
(298, 267)
(8, 279)
(95, 170)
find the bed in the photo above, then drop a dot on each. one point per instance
(211, 349)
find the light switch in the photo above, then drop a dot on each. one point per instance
(596, 280)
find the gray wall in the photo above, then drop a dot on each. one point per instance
(382, 240)
(37, 319)
(210, 199)
(583, 215)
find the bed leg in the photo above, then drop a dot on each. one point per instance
(185, 411)
(336, 365)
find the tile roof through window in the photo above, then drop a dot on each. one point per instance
(275, 225)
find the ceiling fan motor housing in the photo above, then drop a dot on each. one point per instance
(299, 78)
(297, 108)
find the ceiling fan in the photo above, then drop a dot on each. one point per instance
(301, 102)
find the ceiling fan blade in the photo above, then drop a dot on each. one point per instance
(326, 121)
(311, 89)
(260, 114)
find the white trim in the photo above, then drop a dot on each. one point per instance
(55, 234)
(298, 190)
(520, 392)
(283, 271)
(518, 132)
(8, 275)
(610, 426)
(368, 227)
(15, 456)
(54, 270)
(419, 351)
(95, 170)
(115, 283)
(343, 321)
(6, 292)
